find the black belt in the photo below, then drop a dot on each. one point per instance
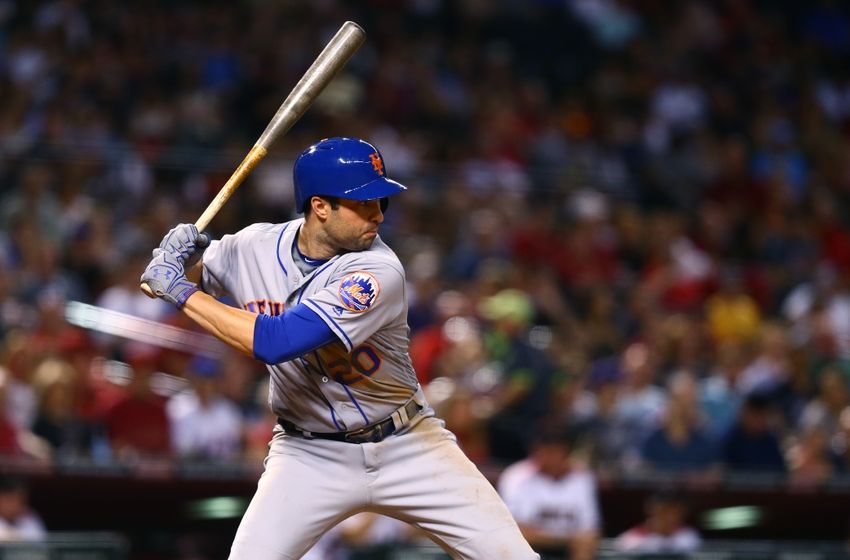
(367, 434)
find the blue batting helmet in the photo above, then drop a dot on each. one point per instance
(342, 167)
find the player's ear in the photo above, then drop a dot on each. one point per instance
(320, 207)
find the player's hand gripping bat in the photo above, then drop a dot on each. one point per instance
(333, 57)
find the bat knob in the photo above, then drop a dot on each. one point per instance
(147, 290)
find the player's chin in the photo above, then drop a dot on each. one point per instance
(361, 244)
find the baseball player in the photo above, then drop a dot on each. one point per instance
(324, 305)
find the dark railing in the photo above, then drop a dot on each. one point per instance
(743, 550)
(110, 546)
(718, 550)
(69, 546)
(156, 501)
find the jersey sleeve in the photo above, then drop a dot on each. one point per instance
(283, 337)
(359, 300)
(215, 276)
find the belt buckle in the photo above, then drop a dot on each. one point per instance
(366, 435)
(356, 436)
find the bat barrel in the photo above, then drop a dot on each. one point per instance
(333, 57)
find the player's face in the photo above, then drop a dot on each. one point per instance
(353, 226)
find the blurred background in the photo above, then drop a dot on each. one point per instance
(626, 241)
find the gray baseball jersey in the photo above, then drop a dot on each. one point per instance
(360, 379)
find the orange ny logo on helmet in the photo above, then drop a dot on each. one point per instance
(377, 163)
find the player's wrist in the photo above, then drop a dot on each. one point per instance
(187, 290)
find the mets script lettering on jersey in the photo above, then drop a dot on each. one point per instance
(348, 384)
(264, 306)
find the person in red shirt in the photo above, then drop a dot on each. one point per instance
(137, 425)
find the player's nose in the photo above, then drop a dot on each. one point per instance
(377, 213)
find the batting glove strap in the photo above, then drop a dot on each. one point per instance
(185, 242)
(166, 277)
(187, 289)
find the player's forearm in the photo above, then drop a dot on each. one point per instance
(232, 326)
(271, 340)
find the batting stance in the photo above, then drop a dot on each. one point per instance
(324, 305)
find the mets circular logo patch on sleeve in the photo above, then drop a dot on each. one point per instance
(358, 291)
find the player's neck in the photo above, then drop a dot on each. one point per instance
(313, 243)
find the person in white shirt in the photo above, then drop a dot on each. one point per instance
(204, 423)
(664, 530)
(18, 522)
(553, 499)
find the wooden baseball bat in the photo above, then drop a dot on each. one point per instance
(333, 57)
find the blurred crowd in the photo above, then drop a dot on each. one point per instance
(626, 218)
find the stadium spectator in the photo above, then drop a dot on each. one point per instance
(681, 444)
(753, 444)
(718, 399)
(20, 395)
(522, 397)
(429, 343)
(137, 424)
(665, 530)
(840, 444)
(769, 370)
(18, 521)
(17, 441)
(610, 437)
(808, 456)
(833, 396)
(640, 402)
(204, 424)
(732, 313)
(553, 498)
(57, 420)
